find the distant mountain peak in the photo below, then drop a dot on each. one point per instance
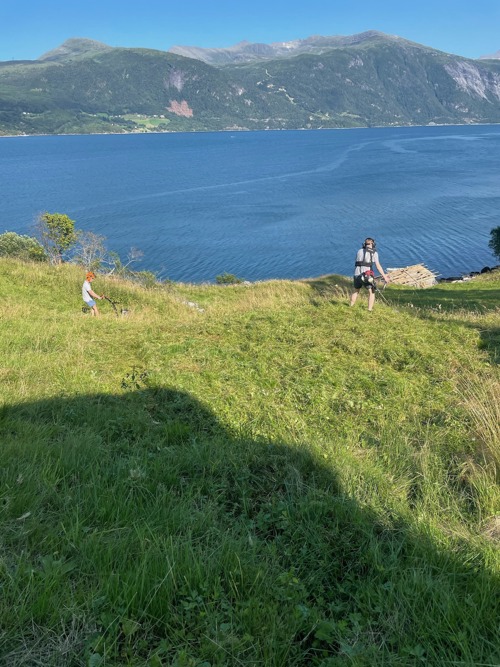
(245, 51)
(493, 56)
(76, 46)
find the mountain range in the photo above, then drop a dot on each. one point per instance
(250, 52)
(363, 80)
(493, 56)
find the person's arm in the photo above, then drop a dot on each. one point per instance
(93, 294)
(381, 271)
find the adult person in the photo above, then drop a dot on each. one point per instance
(88, 294)
(366, 257)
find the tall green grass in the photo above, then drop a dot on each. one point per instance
(270, 478)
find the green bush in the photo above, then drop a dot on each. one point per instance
(228, 279)
(21, 246)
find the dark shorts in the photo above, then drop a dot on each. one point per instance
(358, 283)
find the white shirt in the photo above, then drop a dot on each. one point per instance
(86, 287)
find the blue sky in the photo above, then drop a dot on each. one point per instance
(32, 27)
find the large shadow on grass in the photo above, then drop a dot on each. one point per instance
(138, 529)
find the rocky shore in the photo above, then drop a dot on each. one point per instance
(469, 276)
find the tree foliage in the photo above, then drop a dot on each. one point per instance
(21, 246)
(494, 243)
(57, 234)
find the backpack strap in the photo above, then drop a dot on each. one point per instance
(363, 262)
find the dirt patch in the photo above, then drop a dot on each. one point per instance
(180, 108)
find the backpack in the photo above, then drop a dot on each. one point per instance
(363, 263)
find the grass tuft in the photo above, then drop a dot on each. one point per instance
(481, 397)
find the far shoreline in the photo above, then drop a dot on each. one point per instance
(245, 130)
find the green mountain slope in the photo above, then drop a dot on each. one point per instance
(378, 80)
(98, 90)
(275, 480)
(73, 48)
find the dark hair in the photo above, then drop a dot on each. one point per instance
(368, 240)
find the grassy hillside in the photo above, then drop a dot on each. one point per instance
(272, 478)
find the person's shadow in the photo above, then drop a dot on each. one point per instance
(138, 530)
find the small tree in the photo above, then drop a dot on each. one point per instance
(22, 247)
(90, 251)
(494, 243)
(118, 267)
(57, 234)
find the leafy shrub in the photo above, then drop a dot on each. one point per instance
(228, 279)
(21, 246)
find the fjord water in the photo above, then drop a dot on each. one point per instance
(261, 205)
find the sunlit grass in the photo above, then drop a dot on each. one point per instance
(481, 396)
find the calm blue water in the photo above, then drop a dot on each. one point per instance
(266, 204)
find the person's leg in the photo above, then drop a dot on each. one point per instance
(354, 296)
(93, 311)
(371, 298)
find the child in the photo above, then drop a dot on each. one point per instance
(89, 295)
(363, 273)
